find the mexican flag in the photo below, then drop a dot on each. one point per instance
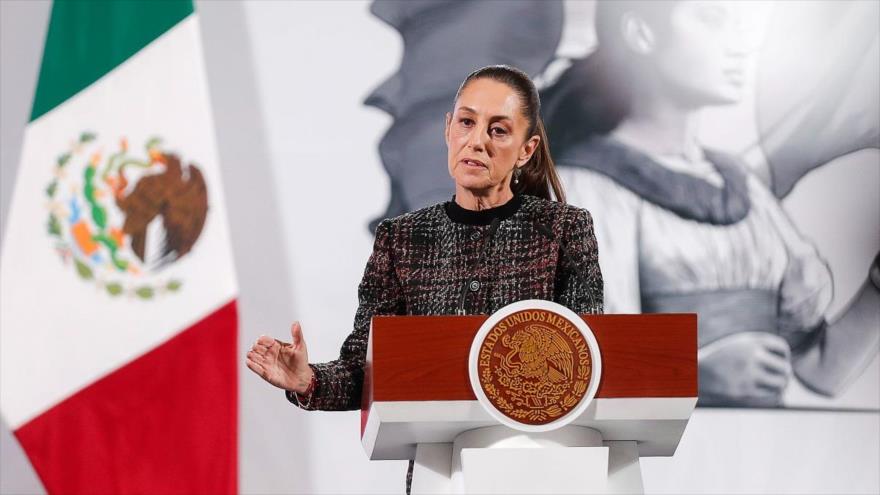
(118, 322)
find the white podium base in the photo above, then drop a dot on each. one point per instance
(497, 459)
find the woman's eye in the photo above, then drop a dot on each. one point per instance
(466, 121)
(499, 131)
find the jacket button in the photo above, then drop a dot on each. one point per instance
(474, 285)
(475, 235)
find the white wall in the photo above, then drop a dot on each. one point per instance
(302, 177)
(22, 29)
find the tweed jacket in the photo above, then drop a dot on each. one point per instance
(444, 259)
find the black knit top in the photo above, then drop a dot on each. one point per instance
(444, 259)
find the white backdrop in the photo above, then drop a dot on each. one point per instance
(303, 177)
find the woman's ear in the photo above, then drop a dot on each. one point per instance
(637, 34)
(527, 150)
(446, 128)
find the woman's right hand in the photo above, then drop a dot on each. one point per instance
(744, 369)
(281, 364)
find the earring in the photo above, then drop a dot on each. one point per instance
(516, 173)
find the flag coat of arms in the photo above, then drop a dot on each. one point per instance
(118, 319)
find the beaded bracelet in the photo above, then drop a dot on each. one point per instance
(313, 383)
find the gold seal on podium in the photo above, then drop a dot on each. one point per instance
(534, 365)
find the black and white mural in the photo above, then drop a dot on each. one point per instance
(690, 203)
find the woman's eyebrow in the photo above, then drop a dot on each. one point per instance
(494, 118)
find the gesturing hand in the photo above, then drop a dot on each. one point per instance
(281, 364)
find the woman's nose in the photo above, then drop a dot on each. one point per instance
(476, 140)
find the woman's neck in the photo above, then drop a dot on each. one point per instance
(659, 127)
(483, 199)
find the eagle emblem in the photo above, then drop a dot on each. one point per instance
(120, 217)
(539, 359)
(534, 366)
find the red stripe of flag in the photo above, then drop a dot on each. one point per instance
(166, 422)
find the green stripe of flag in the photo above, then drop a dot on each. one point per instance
(89, 38)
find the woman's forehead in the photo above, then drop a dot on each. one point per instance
(489, 97)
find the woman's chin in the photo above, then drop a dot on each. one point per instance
(473, 182)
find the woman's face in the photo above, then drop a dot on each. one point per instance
(703, 58)
(485, 136)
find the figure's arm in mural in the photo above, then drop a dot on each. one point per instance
(825, 356)
(842, 349)
(746, 368)
(614, 210)
(832, 50)
(753, 366)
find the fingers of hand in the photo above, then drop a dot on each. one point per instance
(770, 382)
(259, 359)
(296, 334)
(773, 363)
(261, 350)
(775, 345)
(265, 341)
(772, 372)
(265, 345)
(255, 367)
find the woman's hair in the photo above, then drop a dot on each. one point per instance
(594, 95)
(538, 176)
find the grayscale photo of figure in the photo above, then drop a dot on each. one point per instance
(682, 227)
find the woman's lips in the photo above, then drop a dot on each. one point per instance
(468, 162)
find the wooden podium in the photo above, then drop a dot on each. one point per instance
(418, 404)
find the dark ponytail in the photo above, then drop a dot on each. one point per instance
(538, 176)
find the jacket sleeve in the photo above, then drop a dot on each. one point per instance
(579, 280)
(340, 382)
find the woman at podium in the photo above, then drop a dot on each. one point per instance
(505, 236)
